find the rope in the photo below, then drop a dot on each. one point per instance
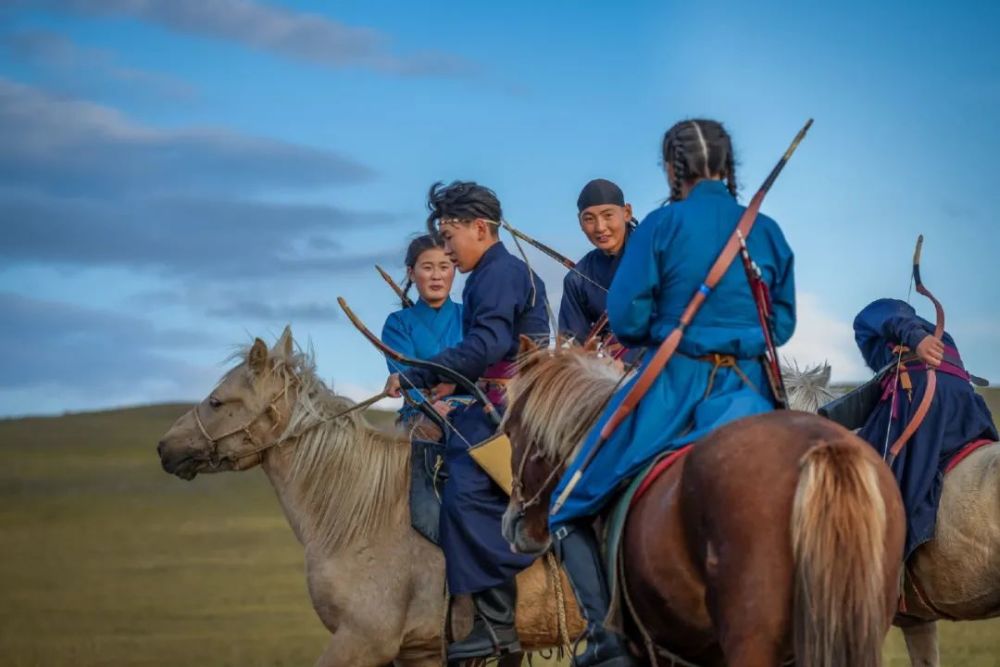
(565, 641)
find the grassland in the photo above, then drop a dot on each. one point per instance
(106, 560)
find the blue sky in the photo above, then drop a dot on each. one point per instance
(180, 175)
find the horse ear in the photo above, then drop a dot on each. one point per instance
(527, 346)
(825, 375)
(257, 359)
(285, 345)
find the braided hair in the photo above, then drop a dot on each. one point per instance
(462, 200)
(697, 149)
(417, 247)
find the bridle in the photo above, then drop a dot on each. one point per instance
(517, 487)
(271, 410)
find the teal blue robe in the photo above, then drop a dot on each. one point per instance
(666, 260)
(421, 332)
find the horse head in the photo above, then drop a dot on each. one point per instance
(552, 402)
(808, 387)
(240, 419)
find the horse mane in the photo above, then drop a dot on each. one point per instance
(557, 395)
(807, 387)
(349, 477)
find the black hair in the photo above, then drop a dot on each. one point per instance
(463, 200)
(417, 247)
(697, 149)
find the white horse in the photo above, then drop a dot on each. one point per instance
(957, 573)
(375, 583)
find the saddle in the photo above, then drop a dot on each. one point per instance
(547, 612)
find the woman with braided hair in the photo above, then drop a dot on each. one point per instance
(716, 375)
(434, 322)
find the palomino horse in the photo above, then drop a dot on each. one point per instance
(959, 570)
(778, 536)
(375, 583)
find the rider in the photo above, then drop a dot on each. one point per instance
(717, 375)
(502, 300)
(957, 414)
(607, 222)
(433, 322)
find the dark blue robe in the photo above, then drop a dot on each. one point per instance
(583, 302)
(500, 302)
(957, 415)
(667, 258)
(420, 332)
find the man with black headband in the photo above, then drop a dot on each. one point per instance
(607, 221)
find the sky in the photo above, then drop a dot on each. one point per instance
(179, 176)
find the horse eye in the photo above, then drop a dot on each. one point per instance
(214, 402)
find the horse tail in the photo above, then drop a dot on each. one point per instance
(838, 538)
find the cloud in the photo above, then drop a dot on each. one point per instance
(86, 186)
(74, 66)
(71, 146)
(177, 237)
(302, 36)
(821, 337)
(50, 343)
(276, 312)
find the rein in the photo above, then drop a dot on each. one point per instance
(517, 489)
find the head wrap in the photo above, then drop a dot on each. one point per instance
(598, 192)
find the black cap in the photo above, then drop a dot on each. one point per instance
(598, 192)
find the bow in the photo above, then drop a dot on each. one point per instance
(559, 257)
(403, 299)
(931, 387)
(669, 344)
(445, 372)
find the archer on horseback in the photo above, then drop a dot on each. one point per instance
(432, 323)
(606, 219)
(893, 337)
(717, 375)
(502, 300)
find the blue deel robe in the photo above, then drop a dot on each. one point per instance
(957, 415)
(500, 303)
(420, 332)
(667, 259)
(583, 302)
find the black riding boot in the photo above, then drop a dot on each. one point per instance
(493, 631)
(581, 559)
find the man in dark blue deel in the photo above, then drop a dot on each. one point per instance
(502, 301)
(607, 221)
(957, 414)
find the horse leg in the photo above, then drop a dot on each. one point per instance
(753, 651)
(351, 649)
(922, 644)
(751, 609)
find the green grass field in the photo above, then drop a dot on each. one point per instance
(106, 560)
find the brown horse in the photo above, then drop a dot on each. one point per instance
(777, 537)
